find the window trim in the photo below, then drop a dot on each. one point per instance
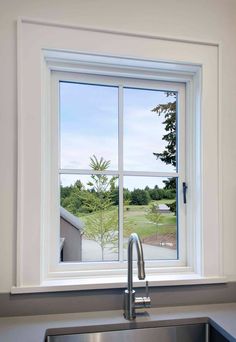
(87, 77)
(196, 63)
(110, 66)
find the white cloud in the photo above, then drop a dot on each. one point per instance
(143, 132)
(77, 149)
(142, 136)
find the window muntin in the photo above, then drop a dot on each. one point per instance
(170, 249)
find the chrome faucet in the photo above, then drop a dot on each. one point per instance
(130, 301)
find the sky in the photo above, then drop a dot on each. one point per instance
(89, 126)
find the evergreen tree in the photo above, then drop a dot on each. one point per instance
(168, 156)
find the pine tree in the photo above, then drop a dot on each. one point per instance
(168, 156)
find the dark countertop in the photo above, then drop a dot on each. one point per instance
(33, 328)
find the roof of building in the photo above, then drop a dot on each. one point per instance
(71, 219)
(163, 207)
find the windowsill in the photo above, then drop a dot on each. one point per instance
(118, 282)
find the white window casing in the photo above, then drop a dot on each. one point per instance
(56, 77)
(47, 51)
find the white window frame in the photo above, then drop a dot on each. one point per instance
(46, 47)
(120, 82)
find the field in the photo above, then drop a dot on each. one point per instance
(135, 216)
(135, 220)
(163, 233)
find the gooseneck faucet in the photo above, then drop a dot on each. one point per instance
(130, 301)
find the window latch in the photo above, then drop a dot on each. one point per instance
(185, 187)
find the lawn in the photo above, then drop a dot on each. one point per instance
(135, 220)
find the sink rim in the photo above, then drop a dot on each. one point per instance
(126, 325)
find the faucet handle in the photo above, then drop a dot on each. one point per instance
(143, 302)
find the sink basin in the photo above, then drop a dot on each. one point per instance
(181, 333)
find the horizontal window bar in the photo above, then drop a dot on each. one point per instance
(116, 173)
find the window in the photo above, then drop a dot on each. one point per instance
(120, 163)
(57, 63)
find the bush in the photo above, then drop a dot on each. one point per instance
(172, 207)
(156, 194)
(169, 194)
(140, 197)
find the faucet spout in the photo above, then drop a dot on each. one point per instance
(130, 300)
(134, 239)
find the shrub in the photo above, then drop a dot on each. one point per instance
(140, 197)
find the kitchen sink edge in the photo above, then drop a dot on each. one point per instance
(203, 326)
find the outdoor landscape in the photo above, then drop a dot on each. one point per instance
(149, 207)
(150, 212)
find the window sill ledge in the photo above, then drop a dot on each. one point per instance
(59, 285)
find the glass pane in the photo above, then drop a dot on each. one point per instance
(88, 124)
(89, 218)
(150, 211)
(149, 130)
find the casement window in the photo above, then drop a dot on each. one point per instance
(121, 163)
(115, 140)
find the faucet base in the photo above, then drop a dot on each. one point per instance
(129, 308)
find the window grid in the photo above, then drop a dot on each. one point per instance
(121, 172)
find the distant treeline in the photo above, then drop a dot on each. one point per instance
(72, 196)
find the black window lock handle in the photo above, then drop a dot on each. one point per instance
(185, 187)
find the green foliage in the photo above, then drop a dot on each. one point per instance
(66, 191)
(139, 197)
(137, 220)
(99, 165)
(102, 225)
(115, 196)
(100, 183)
(127, 196)
(170, 194)
(96, 204)
(168, 156)
(153, 214)
(156, 193)
(170, 184)
(172, 207)
(71, 199)
(79, 185)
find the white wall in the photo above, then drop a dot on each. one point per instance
(211, 20)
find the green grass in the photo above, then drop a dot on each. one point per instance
(135, 221)
(165, 201)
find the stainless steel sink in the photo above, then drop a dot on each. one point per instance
(181, 333)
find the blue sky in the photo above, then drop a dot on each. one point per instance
(89, 125)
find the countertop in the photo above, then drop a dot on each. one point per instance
(33, 328)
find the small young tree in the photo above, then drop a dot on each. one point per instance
(153, 214)
(101, 225)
